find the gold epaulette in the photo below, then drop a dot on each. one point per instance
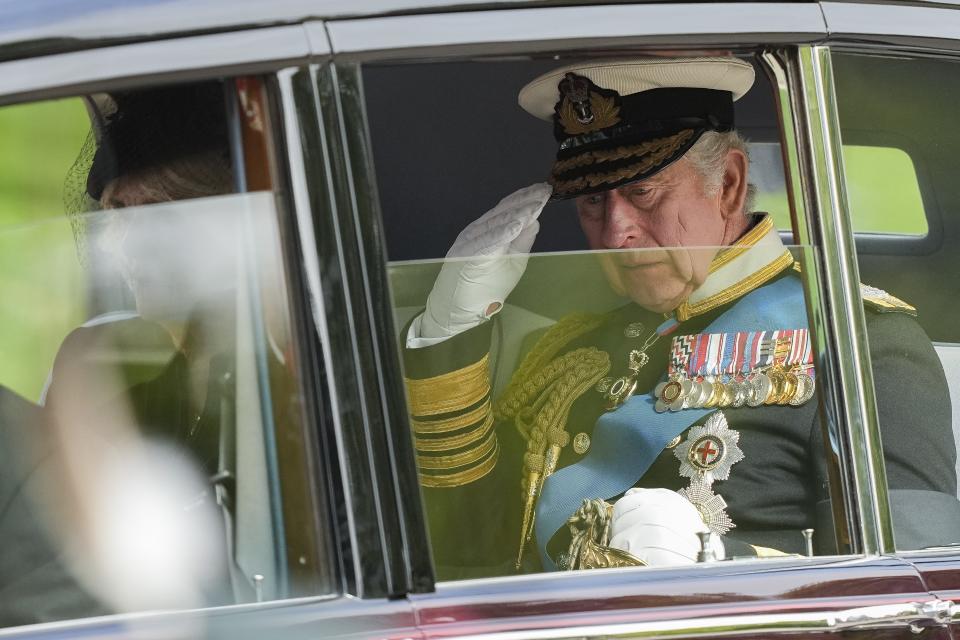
(879, 300)
(452, 423)
(882, 302)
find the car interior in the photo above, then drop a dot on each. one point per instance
(428, 195)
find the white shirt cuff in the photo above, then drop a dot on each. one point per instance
(414, 341)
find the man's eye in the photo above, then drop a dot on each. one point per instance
(595, 199)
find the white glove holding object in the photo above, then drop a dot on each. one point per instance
(660, 527)
(484, 264)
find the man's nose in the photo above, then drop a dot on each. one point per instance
(619, 222)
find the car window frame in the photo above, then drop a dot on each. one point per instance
(474, 36)
(928, 30)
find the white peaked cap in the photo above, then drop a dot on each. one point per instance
(631, 76)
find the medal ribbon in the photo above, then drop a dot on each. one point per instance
(714, 354)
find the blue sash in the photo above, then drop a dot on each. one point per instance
(626, 441)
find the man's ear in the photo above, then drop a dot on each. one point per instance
(733, 188)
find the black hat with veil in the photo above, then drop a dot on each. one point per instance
(136, 133)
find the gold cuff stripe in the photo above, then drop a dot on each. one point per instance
(463, 477)
(749, 239)
(456, 442)
(451, 391)
(686, 311)
(460, 421)
(442, 463)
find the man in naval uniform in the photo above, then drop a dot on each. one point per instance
(684, 422)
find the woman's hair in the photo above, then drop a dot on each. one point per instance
(194, 176)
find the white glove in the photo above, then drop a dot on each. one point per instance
(660, 527)
(484, 264)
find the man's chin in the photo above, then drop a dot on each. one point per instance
(658, 302)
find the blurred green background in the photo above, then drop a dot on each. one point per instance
(42, 291)
(882, 190)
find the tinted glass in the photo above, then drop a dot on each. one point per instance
(899, 155)
(553, 367)
(151, 378)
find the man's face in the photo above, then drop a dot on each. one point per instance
(671, 218)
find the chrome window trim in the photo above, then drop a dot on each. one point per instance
(527, 30)
(914, 616)
(305, 189)
(926, 24)
(179, 59)
(413, 561)
(853, 390)
(795, 141)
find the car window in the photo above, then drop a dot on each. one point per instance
(574, 419)
(898, 174)
(883, 191)
(149, 384)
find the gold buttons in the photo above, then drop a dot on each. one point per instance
(581, 443)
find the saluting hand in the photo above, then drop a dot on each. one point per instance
(660, 527)
(484, 264)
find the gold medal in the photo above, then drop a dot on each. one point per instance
(728, 394)
(789, 388)
(777, 383)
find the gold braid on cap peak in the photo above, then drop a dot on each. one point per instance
(654, 158)
(612, 155)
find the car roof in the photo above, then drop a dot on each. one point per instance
(42, 27)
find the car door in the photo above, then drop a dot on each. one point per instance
(916, 256)
(292, 542)
(424, 100)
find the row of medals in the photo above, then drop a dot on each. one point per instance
(775, 386)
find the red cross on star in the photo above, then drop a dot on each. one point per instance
(706, 449)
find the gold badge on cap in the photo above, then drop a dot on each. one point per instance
(583, 108)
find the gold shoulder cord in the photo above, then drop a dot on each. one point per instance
(567, 329)
(538, 400)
